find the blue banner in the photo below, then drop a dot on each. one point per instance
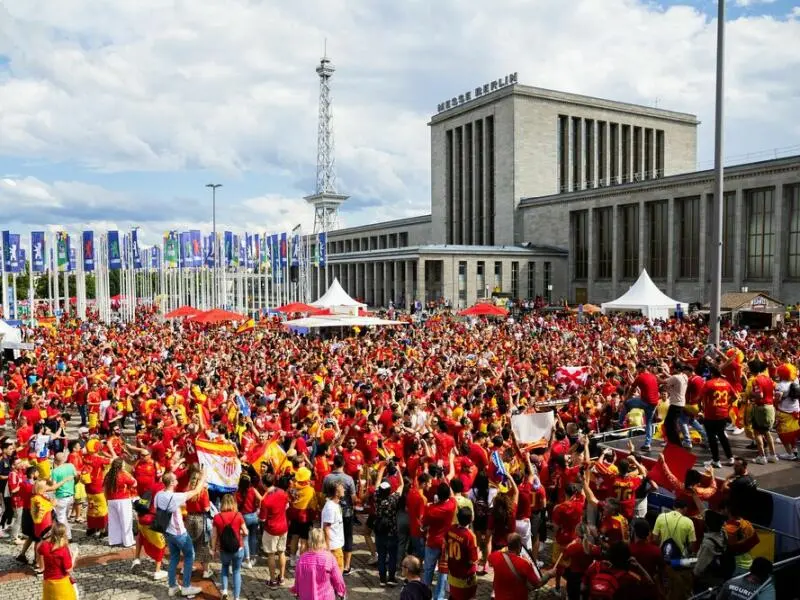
(284, 250)
(155, 258)
(296, 251)
(243, 251)
(37, 251)
(14, 254)
(88, 251)
(228, 249)
(208, 252)
(9, 253)
(248, 250)
(186, 249)
(197, 247)
(114, 253)
(72, 263)
(275, 255)
(323, 249)
(135, 252)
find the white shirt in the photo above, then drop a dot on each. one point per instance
(787, 404)
(675, 387)
(172, 501)
(332, 515)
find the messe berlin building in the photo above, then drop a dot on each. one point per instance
(542, 193)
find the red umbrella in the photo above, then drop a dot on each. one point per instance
(217, 315)
(484, 309)
(182, 311)
(299, 307)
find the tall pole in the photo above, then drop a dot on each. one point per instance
(716, 239)
(215, 291)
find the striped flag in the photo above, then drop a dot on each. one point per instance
(221, 463)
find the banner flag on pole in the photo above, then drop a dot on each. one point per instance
(62, 255)
(114, 254)
(227, 260)
(187, 260)
(155, 257)
(137, 256)
(197, 250)
(15, 253)
(275, 253)
(72, 263)
(220, 461)
(250, 263)
(284, 250)
(323, 249)
(266, 251)
(242, 250)
(209, 251)
(88, 251)
(171, 251)
(296, 250)
(37, 251)
(257, 251)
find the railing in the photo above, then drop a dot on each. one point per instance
(782, 585)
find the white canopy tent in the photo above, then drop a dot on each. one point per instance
(338, 301)
(9, 334)
(644, 296)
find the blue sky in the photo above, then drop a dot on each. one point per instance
(116, 114)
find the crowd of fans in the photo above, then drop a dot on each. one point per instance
(402, 434)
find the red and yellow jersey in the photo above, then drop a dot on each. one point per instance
(718, 395)
(461, 549)
(625, 491)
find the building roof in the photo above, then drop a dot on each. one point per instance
(736, 300)
(681, 179)
(410, 252)
(564, 98)
(420, 220)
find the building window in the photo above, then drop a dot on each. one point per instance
(563, 153)
(589, 152)
(759, 233)
(629, 240)
(793, 201)
(626, 153)
(515, 280)
(403, 239)
(490, 208)
(604, 236)
(688, 218)
(728, 229)
(580, 244)
(548, 286)
(448, 194)
(479, 196)
(637, 154)
(531, 280)
(658, 230)
(648, 153)
(602, 157)
(462, 283)
(498, 277)
(614, 139)
(481, 277)
(577, 176)
(660, 153)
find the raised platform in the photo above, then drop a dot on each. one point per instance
(782, 477)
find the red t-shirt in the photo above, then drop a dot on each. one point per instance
(415, 506)
(462, 552)
(273, 512)
(767, 387)
(648, 555)
(575, 558)
(57, 561)
(199, 504)
(625, 491)
(353, 461)
(567, 516)
(525, 500)
(145, 475)
(507, 584)
(124, 488)
(248, 503)
(438, 518)
(717, 397)
(234, 519)
(648, 387)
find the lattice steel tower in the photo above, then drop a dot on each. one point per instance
(325, 200)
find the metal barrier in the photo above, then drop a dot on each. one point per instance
(782, 585)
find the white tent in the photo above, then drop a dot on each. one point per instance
(338, 301)
(645, 296)
(339, 321)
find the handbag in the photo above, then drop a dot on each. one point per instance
(163, 517)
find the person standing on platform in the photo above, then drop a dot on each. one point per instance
(676, 385)
(647, 385)
(718, 396)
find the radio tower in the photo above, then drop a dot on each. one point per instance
(325, 201)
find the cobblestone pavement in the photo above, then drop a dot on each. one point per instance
(104, 573)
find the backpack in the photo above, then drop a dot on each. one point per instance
(482, 509)
(163, 516)
(670, 550)
(604, 585)
(228, 542)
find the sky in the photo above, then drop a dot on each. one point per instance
(116, 114)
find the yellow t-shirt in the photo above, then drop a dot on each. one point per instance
(673, 525)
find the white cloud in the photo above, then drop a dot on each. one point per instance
(752, 2)
(228, 85)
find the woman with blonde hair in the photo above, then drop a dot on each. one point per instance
(58, 562)
(228, 538)
(317, 575)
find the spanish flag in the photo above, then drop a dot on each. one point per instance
(267, 453)
(154, 544)
(246, 326)
(41, 514)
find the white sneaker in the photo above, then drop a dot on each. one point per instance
(190, 591)
(772, 458)
(136, 562)
(208, 573)
(248, 564)
(737, 431)
(760, 460)
(730, 427)
(224, 594)
(730, 462)
(160, 575)
(712, 463)
(173, 591)
(786, 456)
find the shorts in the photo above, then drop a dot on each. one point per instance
(339, 556)
(463, 589)
(524, 528)
(538, 524)
(347, 523)
(273, 544)
(27, 523)
(300, 530)
(763, 418)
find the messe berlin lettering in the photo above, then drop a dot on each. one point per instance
(481, 90)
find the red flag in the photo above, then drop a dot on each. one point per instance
(572, 377)
(678, 459)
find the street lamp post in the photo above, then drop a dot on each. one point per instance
(215, 286)
(716, 233)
